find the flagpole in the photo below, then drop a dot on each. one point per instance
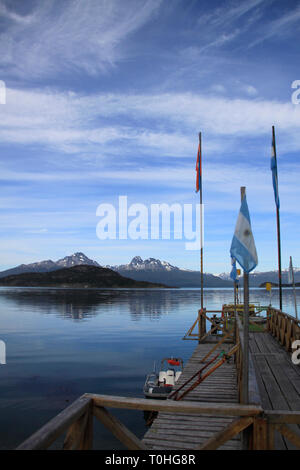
(245, 382)
(294, 289)
(278, 230)
(201, 220)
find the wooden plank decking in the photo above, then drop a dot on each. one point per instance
(277, 377)
(183, 431)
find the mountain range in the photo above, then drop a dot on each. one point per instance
(151, 270)
(49, 265)
(163, 272)
(79, 277)
(257, 278)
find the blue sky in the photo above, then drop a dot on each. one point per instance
(106, 98)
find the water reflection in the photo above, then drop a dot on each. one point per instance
(62, 343)
(78, 304)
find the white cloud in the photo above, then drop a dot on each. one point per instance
(229, 12)
(220, 179)
(249, 90)
(218, 88)
(62, 120)
(12, 15)
(225, 23)
(283, 25)
(73, 34)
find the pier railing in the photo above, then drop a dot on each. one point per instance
(76, 422)
(284, 327)
(221, 321)
(220, 325)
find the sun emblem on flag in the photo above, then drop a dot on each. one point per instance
(247, 232)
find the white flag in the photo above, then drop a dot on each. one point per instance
(290, 273)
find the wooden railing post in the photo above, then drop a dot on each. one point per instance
(260, 434)
(201, 324)
(204, 322)
(271, 430)
(80, 433)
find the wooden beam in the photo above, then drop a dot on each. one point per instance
(188, 407)
(271, 436)
(76, 438)
(45, 436)
(88, 436)
(260, 434)
(288, 434)
(226, 434)
(253, 390)
(283, 416)
(118, 429)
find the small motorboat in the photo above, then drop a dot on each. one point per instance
(161, 384)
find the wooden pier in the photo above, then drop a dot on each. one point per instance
(183, 431)
(206, 412)
(278, 380)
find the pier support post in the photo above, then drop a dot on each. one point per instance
(245, 365)
(201, 324)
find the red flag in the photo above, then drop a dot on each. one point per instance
(199, 170)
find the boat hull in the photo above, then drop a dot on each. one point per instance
(157, 392)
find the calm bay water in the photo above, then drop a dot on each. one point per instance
(62, 343)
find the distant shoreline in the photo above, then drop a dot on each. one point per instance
(2, 287)
(77, 277)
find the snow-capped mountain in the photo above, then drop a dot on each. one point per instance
(49, 265)
(75, 259)
(225, 276)
(256, 278)
(150, 264)
(155, 270)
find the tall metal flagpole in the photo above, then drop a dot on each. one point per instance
(245, 381)
(201, 218)
(278, 227)
(294, 290)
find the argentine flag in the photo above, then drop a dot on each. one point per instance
(233, 273)
(274, 173)
(242, 245)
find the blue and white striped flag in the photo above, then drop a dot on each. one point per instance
(243, 246)
(233, 273)
(274, 172)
